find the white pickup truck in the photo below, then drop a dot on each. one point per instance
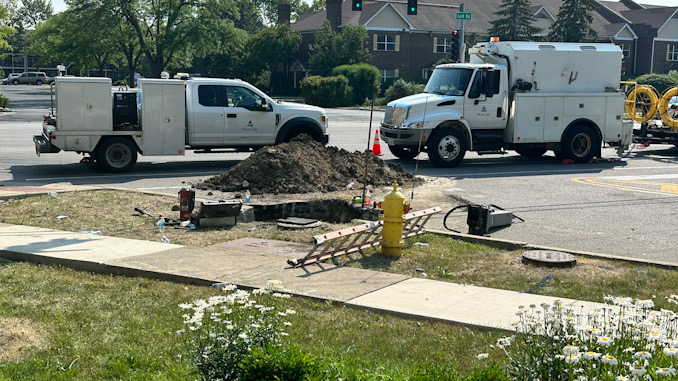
(168, 117)
(524, 96)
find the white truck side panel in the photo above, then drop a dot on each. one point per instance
(537, 118)
(163, 117)
(84, 104)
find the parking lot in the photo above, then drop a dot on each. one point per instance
(621, 206)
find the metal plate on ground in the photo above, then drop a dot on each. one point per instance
(549, 258)
(298, 223)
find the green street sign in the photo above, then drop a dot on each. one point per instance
(463, 15)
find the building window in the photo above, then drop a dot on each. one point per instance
(441, 45)
(626, 49)
(426, 73)
(387, 74)
(386, 43)
(672, 53)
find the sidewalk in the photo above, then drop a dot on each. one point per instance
(251, 262)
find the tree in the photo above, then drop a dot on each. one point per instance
(76, 37)
(5, 32)
(30, 14)
(273, 47)
(573, 23)
(515, 22)
(269, 9)
(332, 49)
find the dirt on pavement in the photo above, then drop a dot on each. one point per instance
(304, 165)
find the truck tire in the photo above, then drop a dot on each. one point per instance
(579, 144)
(116, 155)
(404, 153)
(446, 147)
(535, 152)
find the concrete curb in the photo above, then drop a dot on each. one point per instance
(516, 245)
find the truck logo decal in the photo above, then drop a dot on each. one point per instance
(483, 110)
(250, 124)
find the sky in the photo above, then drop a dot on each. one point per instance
(59, 5)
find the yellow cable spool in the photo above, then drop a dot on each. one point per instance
(642, 103)
(668, 108)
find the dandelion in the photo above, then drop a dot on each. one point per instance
(483, 356)
(638, 370)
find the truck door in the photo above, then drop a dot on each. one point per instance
(208, 117)
(484, 108)
(249, 117)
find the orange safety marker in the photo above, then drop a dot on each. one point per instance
(376, 147)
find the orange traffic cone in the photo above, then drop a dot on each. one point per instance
(376, 147)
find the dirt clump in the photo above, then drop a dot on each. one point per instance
(304, 165)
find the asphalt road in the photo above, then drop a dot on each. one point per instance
(621, 206)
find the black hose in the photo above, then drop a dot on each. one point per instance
(448, 214)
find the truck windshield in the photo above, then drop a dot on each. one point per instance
(448, 81)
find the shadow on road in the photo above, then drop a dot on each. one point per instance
(511, 166)
(88, 174)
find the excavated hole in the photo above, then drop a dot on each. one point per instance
(332, 210)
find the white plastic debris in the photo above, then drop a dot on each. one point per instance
(93, 232)
(52, 194)
(420, 244)
(61, 217)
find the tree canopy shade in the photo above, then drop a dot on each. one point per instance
(298, 7)
(332, 49)
(515, 22)
(30, 14)
(573, 23)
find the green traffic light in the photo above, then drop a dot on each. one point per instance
(412, 9)
(357, 5)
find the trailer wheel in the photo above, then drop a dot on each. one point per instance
(579, 144)
(535, 152)
(446, 147)
(404, 153)
(116, 155)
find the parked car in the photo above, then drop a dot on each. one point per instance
(10, 77)
(32, 78)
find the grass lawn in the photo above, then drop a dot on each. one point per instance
(75, 325)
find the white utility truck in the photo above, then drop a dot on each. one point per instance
(169, 117)
(524, 96)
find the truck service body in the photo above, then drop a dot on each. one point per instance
(526, 96)
(168, 117)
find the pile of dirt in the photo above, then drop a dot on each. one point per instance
(304, 165)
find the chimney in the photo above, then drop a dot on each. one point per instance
(284, 10)
(334, 13)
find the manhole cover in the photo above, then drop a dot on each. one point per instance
(549, 258)
(298, 223)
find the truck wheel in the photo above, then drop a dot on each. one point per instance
(405, 153)
(534, 152)
(579, 144)
(446, 147)
(116, 155)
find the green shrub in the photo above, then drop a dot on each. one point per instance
(326, 91)
(402, 88)
(363, 78)
(276, 363)
(661, 82)
(4, 102)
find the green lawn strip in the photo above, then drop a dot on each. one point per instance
(96, 327)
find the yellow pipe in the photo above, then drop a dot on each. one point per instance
(669, 116)
(392, 232)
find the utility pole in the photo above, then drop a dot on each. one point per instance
(462, 45)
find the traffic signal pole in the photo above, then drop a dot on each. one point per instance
(462, 46)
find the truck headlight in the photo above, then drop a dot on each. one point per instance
(417, 124)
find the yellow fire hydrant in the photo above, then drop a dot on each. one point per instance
(392, 233)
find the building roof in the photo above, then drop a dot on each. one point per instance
(439, 15)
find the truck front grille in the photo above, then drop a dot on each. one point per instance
(394, 116)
